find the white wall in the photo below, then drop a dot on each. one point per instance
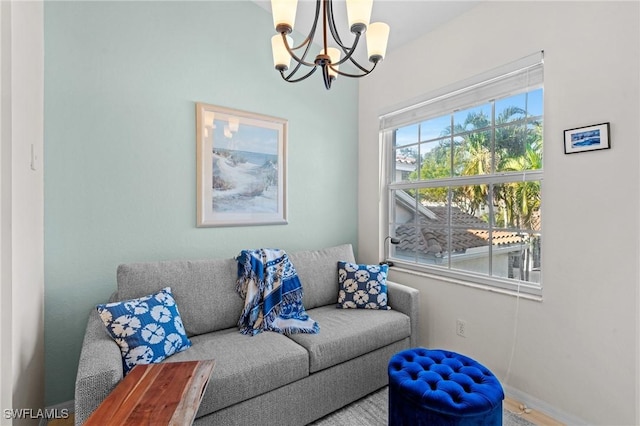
(21, 256)
(5, 213)
(575, 353)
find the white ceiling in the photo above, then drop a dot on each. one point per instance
(408, 19)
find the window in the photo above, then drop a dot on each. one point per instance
(464, 173)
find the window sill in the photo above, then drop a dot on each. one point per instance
(522, 294)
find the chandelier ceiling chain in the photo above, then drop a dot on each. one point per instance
(328, 60)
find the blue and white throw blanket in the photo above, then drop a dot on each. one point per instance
(272, 293)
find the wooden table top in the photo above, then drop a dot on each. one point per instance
(168, 393)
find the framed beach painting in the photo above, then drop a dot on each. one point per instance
(588, 138)
(241, 167)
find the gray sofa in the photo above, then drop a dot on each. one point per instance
(267, 379)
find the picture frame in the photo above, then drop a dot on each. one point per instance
(587, 138)
(241, 167)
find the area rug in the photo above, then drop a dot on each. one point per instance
(372, 411)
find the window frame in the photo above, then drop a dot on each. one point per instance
(528, 70)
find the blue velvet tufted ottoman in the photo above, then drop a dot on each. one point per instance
(437, 387)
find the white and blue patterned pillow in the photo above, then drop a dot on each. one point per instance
(148, 329)
(362, 286)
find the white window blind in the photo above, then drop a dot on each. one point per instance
(522, 75)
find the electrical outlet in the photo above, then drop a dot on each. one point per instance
(461, 328)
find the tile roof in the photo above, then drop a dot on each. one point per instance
(401, 158)
(430, 237)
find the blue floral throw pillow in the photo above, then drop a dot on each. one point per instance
(362, 286)
(148, 329)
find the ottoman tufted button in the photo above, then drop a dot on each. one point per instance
(445, 388)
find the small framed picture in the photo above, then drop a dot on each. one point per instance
(588, 138)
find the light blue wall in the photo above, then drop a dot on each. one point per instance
(121, 82)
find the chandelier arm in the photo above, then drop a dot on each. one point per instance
(304, 54)
(353, 61)
(306, 42)
(326, 5)
(348, 52)
(288, 78)
(293, 55)
(312, 32)
(346, 74)
(333, 29)
(299, 64)
(327, 78)
(293, 72)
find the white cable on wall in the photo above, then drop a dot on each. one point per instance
(514, 337)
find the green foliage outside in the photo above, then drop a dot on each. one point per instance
(518, 147)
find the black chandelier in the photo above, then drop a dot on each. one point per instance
(328, 60)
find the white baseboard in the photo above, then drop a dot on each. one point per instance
(542, 406)
(67, 405)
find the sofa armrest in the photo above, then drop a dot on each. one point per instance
(99, 369)
(406, 300)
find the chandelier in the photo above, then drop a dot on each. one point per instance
(328, 60)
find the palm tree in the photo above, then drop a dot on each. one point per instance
(478, 160)
(517, 148)
(522, 199)
(509, 138)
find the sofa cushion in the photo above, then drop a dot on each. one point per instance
(205, 290)
(318, 273)
(348, 333)
(245, 366)
(362, 286)
(147, 329)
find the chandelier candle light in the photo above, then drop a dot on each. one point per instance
(358, 15)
